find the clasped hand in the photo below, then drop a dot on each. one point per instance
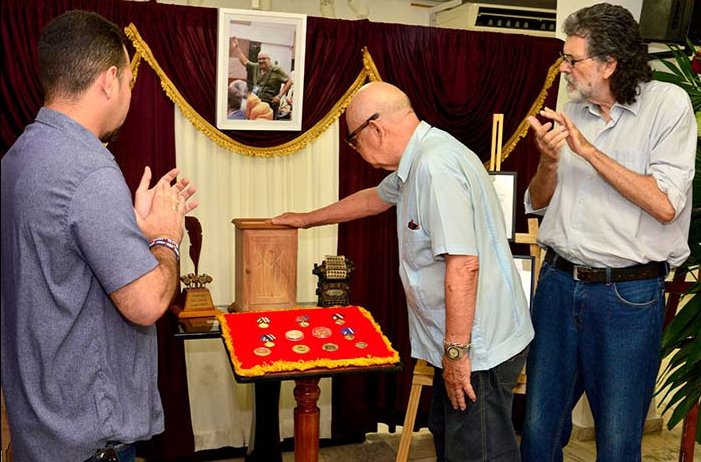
(160, 210)
(550, 140)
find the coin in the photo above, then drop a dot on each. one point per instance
(321, 332)
(301, 349)
(329, 347)
(294, 335)
(262, 351)
(361, 345)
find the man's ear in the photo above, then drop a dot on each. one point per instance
(109, 81)
(610, 67)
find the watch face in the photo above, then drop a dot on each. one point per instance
(453, 352)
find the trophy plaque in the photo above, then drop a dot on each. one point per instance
(195, 301)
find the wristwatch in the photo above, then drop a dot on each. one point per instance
(456, 350)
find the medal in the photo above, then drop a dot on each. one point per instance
(348, 333)
(262, 351)
(303, 320)
(321, 332)
(294, 335)
(268, 340)
(263, 322)
(338, 318)
(301, 349)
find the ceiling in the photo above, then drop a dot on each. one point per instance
(549, 4)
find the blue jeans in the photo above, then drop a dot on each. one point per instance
(598, 338)
(484, 431)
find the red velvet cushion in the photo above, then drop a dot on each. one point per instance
(243, 334)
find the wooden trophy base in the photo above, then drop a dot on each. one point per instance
(195, 303)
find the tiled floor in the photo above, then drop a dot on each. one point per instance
(382, 447)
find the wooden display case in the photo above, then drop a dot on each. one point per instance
(266, 265)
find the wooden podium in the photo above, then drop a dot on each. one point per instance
(266, 265)
(265, 277)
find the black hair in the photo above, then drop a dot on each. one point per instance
(74, 48)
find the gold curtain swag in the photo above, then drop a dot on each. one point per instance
(369, 72)
(291, 147)
(537, 105)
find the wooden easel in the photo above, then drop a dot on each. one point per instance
(423, 373)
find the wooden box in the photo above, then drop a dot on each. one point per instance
(266, 265)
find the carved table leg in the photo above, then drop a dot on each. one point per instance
(307, 420)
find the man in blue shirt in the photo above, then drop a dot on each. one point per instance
(468, 315)
(86, 273)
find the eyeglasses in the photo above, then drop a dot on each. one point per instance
(571, 61)
(350, 139)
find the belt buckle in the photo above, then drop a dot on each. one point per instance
(575, 272)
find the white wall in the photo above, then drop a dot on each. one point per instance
(395, 11)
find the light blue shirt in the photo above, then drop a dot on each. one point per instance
(446, 204)
(588, 221)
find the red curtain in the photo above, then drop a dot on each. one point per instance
(455, 79)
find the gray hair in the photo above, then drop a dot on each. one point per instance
(612, 32)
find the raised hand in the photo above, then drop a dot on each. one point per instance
(160, 210)
(548, 139)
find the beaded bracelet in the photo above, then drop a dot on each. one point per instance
(165, 242)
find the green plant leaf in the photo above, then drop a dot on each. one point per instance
(680, 381)
(685, 323)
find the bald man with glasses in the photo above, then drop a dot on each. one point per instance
(468, 315)
(270, 82)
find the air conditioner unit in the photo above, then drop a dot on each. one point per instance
(496, 18)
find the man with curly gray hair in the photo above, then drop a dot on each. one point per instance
(614, 187)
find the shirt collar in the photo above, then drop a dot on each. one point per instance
(410, 150)
(616, 110)
(64, 122)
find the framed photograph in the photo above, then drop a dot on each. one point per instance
(525, 266)
(260, 70)
(505, 185)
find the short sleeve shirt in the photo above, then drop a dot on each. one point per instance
(446, 204)
(75, 373)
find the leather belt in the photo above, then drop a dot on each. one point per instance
(588, 274)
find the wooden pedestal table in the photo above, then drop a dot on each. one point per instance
(306, 421)
(303, 344)
(306, 413)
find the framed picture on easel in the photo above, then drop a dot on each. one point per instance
(260, 70)
(505, 186)
(525, 266)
